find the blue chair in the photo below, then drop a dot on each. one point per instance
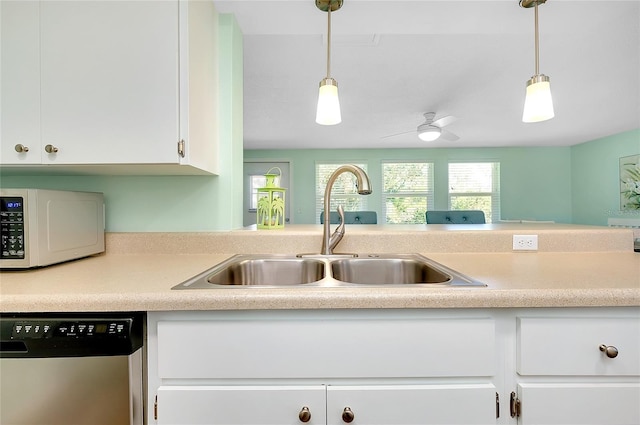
(456, 217)
(352, 217)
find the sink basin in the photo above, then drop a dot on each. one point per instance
(321, 270)
(397, 270)
(242, 270)
(377, 271)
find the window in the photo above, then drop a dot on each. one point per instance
(475, 186)
(407, 191)
(255, 182)
(344, 190)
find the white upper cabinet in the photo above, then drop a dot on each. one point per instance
(20, 83)
(110, 83)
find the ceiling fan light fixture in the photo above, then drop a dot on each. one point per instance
(538, 103)
(428, 132)
(328, 110)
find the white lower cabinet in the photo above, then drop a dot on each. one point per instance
(395, 367)
(578, 369)
(322, 367)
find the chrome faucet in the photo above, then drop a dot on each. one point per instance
(329, 241)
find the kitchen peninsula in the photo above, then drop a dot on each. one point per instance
(545, 328)
(574, 266)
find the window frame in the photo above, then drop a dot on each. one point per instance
(494, 215)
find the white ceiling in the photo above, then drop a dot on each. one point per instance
(395, 60)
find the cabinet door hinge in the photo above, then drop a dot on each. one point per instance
(497, 405)
(181, 148)
(155, 408)
(514, 405)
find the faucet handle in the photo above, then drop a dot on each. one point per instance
(337, 235)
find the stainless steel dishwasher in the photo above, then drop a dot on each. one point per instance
(72, 369)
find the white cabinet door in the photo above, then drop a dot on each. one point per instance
(20, 82)
(447, 404)
(235, 405)
(580, 404)
(109, 81)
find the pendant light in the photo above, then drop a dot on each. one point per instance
(328, 112)
(538, 104)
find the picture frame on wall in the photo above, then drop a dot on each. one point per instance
(630, 183)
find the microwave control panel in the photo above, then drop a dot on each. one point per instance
(12, 227)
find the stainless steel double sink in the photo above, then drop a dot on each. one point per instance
(331, 271)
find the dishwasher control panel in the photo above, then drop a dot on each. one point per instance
(74, 329)
(51, 335)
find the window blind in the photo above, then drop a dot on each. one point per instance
(407, 191)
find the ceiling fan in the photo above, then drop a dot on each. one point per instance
(431, 129)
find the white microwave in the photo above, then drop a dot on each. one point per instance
(42, 227)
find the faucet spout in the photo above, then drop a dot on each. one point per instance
(329, 241)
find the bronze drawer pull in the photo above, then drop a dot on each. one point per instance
(609, 350)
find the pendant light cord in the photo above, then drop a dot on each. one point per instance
(537, 41)
(329, 41)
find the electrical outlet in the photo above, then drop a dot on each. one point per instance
(525, 242)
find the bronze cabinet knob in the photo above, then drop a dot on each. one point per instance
(609, 350)
(51, 149)
(304, 415)
(347, 415)
(20, 148)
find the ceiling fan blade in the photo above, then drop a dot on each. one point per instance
(444, 121)
(447, 135)
(398, 134)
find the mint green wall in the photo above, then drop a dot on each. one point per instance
(535, 181)
(227, 208)
(595, 177)
(176, 203)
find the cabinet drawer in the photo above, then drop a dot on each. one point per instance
(570, 346)
(326, 348)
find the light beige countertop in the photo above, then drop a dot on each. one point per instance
(576, 266)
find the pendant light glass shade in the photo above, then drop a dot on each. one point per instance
(538, 104)
(328, 112)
